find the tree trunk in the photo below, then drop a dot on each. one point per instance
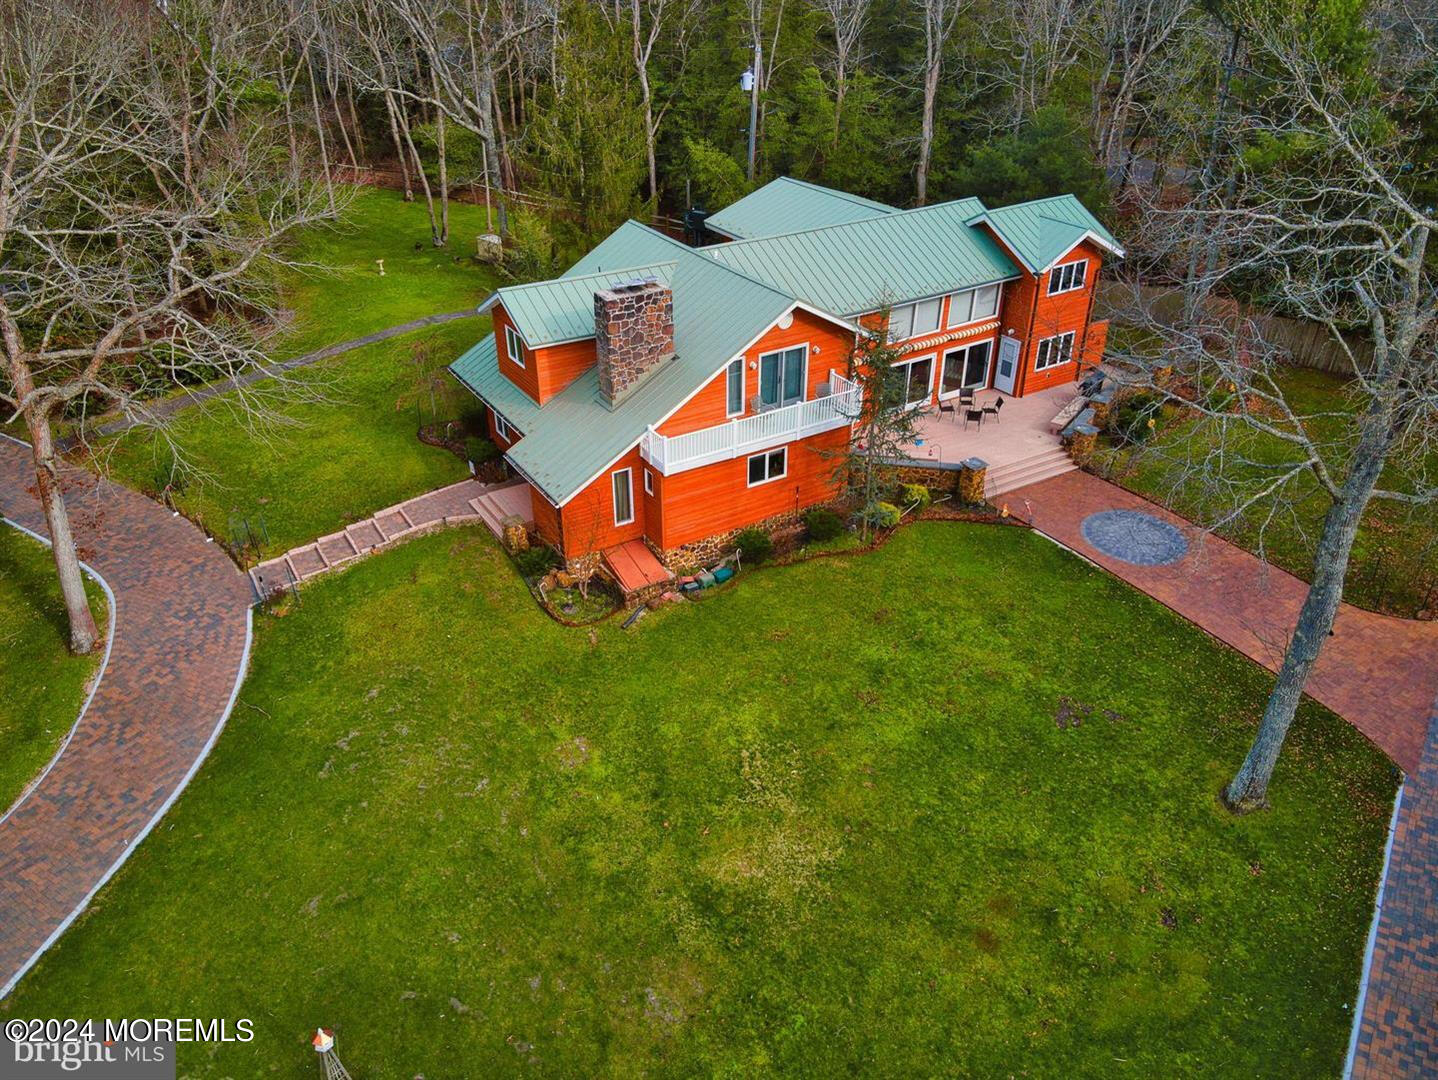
(1248, 790)
(84, 635)
(926, 132)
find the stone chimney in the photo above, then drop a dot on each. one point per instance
(633, 334)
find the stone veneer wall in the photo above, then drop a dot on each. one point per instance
(939, 479)
(689, 557)
(633, 331)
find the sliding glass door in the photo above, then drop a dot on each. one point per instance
(966, 369)
(781, 377)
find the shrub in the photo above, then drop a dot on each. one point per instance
(480, 450)
(915, 495)
(754, 544)
(1135, 416)
(536, 561)
(821, 523)
(882, 515)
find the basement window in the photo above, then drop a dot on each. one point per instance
(1068, 277)
(768, 466)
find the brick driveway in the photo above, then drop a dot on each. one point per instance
(1378, 672)
(180, 641)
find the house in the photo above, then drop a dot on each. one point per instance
(657, 398)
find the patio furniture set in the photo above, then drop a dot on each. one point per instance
(966, 403)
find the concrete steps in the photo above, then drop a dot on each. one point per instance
(1029, 470)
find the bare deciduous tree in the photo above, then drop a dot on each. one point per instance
(144, 188)
(1330, 231)
(937, 20)
(846, 20)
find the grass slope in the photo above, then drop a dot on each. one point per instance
(44, 686)
(335, 460)
(824, 822)
(1395, 557)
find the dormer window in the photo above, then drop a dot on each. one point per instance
(1067, 277)
(514, 345)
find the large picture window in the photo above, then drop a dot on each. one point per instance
(918, 376)
(623, 480)
(768, 466)
(734, 387)
(1054, 351)
(514, 345)
(915, 320)
(1068, 277)
(781, 377)
(965, 369)
(973, 304)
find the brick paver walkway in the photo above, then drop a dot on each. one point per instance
(1378, 672)
(1397, 1030)
(181, 633)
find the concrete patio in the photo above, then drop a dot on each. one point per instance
(1020, 446)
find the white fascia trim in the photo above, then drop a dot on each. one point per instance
(797, 304)
(1092, 237)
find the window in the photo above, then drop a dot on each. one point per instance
(623, 480)
(1068, 277)
(1054, 351)
(734, 387)
(966, 368)
(973, 304)
(648, 482)
(926, 315)
(781, 377)
(502, 429)
(768, 466)
(914, 320)
(918, 378)
(986, 302)
(514, 345)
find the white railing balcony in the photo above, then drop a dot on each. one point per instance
(676, 453)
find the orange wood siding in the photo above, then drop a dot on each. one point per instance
(1028, 313)
(829, 347)
(546, 517)
(546, 371)
(588, 518)
(494, 435)
(522, 377)
(717, 498)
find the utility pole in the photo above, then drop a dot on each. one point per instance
(758, 77)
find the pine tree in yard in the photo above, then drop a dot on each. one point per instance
(884, 425)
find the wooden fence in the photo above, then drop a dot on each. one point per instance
(1305, 343)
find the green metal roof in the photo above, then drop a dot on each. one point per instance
(577, 434)
(866, 265)
(1045, 230)
(786, 204)
(548, 312)
(478, 369)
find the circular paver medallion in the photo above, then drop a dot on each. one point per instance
(1134, 537)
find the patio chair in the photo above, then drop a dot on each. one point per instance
(947, 407)
(966, 396)
(976, 415)
(994, 408)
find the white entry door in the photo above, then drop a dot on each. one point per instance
(1008, 365)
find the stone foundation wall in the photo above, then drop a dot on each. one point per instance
(939, 479)
(687, 558)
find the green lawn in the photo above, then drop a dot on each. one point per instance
(44, 685)
(834, 819)
(345, 445)
(345, 297)
(1395, 558)
(334, 461)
